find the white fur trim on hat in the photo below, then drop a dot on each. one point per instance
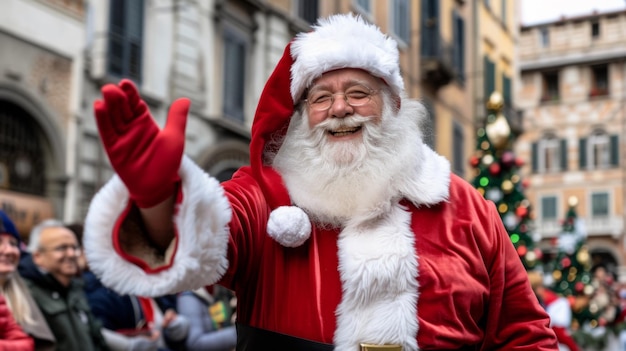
(343, 41)
(289, 226)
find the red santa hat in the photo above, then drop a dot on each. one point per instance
(339, 41)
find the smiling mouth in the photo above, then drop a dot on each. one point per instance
(344, 131)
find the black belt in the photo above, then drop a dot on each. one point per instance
(255, 339)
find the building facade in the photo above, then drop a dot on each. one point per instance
(219, 54)
(573, 95)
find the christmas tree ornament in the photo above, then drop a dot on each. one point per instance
(507, 186)
(487, 160)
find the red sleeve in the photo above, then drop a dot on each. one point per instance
(515, 319)
(12, 338)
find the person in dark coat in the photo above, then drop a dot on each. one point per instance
(50, 274)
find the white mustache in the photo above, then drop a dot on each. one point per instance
(346, 122)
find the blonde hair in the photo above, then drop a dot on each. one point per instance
(15, 292)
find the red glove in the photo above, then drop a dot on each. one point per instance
(145, 157)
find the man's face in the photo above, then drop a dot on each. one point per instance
(58, 253)
(338, 88)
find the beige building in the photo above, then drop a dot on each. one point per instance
(573, 95)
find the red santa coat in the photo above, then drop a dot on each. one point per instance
(469, 287)
(472, 287)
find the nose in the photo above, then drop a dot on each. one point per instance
(340, 107)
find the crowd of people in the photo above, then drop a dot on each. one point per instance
(50, 300)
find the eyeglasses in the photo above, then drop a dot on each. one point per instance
(63, 248)
(354, 96)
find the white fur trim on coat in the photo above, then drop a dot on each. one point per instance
(202, 242)
(343, 41)
(378, 266)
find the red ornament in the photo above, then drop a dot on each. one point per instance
(579, 286)
(521, 211)
(494, 169)
(519, 162)
(521, 250)
(474, 161)
(566, 262)
(554, 241)
(525, 183)
(508, 159)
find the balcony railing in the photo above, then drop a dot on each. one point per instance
(595, 226)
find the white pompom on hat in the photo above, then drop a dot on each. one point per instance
(339, 41)
(289, 226)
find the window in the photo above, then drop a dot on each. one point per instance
(364, 6)
(506, 90)
(550, 86)
(490, 77)
(235, 49)
(125, 39)
(504, 12)
(458, 147)
(549, 155)
(401, 20)
(459, 46)
(599, 151)
(308, 10)
(544, 34)
(595, 30)
(22, 160)
(548, 208)
(599, 204)
(599, 80)
(430, 29)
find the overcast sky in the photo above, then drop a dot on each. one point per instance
(540, 11)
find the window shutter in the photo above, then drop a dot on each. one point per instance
(506, 89)
(582, 153)
(430, 28)
(134, 38)
(614, 150)
(563, 155)
(534, 156)
(490, 77)
(459, 46)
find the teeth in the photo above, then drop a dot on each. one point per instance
(344, 131)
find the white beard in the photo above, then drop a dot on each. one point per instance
(336, 182)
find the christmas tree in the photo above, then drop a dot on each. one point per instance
(497, 178)
(590, 297)
(571, 269)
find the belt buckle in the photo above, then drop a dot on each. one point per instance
(386, 347)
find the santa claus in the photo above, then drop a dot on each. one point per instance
(346, 232)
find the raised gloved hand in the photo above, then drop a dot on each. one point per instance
(145, 157)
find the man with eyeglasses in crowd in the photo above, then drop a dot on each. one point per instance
(346, 232)
(50, 272)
